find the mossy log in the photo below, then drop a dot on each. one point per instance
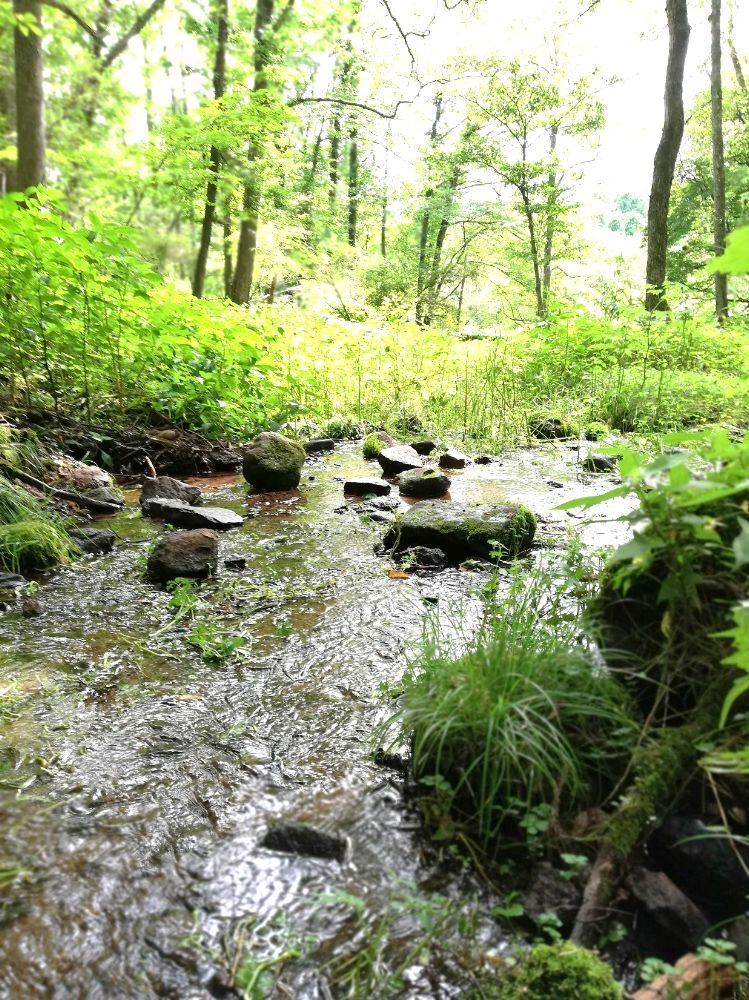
(660, 768)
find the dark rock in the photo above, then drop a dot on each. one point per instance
(30, 606)
(235, 562)
(362, 486)
(316, 445)
(184, 516)
(672, 911)
(184, 553)
(555, 485)
(424, 558)
(549, 892)
(600, 463)
(392, 761)
(93, 540)
(425, 483)
(12, 581)
(424, 447)
(168, 489)
(105, 494)
(703, 864)
(298, 838)
(398, 459)
(381, 516)
(484, 460)
(551, 428)
(382, 503)
(453, 459)
(461, 530)
(273, 462)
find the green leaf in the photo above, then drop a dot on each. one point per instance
(735, 260)
(740, 544)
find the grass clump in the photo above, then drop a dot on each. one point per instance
(523, 718)
(30, 538)
(560, 971)
(373, 445)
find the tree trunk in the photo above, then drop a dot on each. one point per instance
(384, 219)
(214, 166)
(550, 205)
(228, 266)
(335, 155)
(537, 272)
(666, 154)
(740, 78)
(421, 279)
(30, 169)
(719, 166)
(353, 188)
(248, 229)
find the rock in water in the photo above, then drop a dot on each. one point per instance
(461, 530)
(273, 462)
(298, 838)
(600, 463)
(424, 483)
(185, 516)
(453, 459)
(423, 558)
(184, 553)
(424, 447)
(398, 459)
(169, 489)
(93, 540)
(316, 445)
(363, 486)
(669, 907)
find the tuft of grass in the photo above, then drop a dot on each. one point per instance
(31, 545)
(525, 716)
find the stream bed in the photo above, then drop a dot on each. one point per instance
(137, 780)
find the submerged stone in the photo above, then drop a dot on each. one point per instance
(461, 530)
(185, 516)
(168, 489)
(425, 483)
(184, 553)
(398, 459)
(363, 486)
(424, 558)
(93, 540)
(600, 463)
(273, 462)
(298, 838)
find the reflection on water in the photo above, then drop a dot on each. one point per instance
(136, 780)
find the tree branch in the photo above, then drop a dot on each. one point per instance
(135, 29)
(405, 35)
(69, 12)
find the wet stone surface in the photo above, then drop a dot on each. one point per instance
(151, 775)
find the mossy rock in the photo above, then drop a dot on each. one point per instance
(375, 442)
(550, 427)
(559, 971)
(273, 462)
(597, 430)
(461, 530)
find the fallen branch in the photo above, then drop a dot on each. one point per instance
(100, 506)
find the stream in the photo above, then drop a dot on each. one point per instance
(137, 779)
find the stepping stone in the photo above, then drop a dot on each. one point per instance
(316, 445)
(424, 447)
(363, 486)
(453, 459)
(185, 516)
(399, 459)
(184, 553)
(167, 488)
(424, 483)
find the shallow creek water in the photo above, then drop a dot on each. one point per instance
(136, 780)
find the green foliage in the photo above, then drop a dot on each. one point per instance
(562, 971)
(735, 260)
(32, 545)
(523, 709)
(373, 445)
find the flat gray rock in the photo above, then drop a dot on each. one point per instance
(184, 553)
(424, 483)
(453, 459)
(399, 459)
(184, 516)
(363, 486)
(168, 488)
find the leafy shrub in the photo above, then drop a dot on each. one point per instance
(342, 429)
(523, 712)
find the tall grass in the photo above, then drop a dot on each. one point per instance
(30, 537)
(524, 716)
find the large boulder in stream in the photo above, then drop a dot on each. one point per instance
(167, 488)
(461, 530)
(185, 516)
(273, 462)
(424, 483)
(401, 458)
(184, 553)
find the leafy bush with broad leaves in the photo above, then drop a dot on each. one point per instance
(87, 328)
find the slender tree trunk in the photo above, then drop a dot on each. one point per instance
(740, 78)
(228, 266)
(214, 165)
(353, 188)
(248, 229)
(432, 286)
(384, 219)
(666, 154)
(719, 166)
(550, 227)
(421, 279)
(335, 155)
(31, 164)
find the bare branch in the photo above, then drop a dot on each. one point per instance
(69, 12)
(135, 29)
(405, 35)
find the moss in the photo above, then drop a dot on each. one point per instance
(32, 545)
(549, 426)
(557, 972)
(373, 445)
(596, 430)
(461, 530)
